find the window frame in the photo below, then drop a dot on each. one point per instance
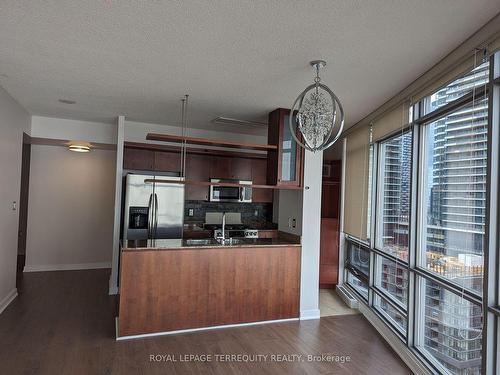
(490, 305)
(380, 290)
(421, 217)
(417, 269)
(377, 191)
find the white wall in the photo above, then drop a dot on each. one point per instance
(14, 120)
(73, 130)
(290, 204)
(71, 209)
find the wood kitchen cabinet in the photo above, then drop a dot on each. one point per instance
(285, 164)
(138, 159)
(233, 168)
(259, 176)
(201, 167)
(142, 159)
(197, 169)
(167, 161)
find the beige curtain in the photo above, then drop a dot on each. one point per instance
(391, 122)
(356, 183)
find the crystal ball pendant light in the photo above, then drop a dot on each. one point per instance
(317, 115)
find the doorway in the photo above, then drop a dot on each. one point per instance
(23, 209)
(329, 301)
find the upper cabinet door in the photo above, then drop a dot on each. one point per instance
(285, 165)
(233, 168)
(197, 169)
(167, 161)
(138, 159)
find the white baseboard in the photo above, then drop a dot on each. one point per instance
(309, 314)
(8, 299)
(166, 333)
(66, 267)
(113, 289)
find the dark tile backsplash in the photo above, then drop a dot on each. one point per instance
(248, 210)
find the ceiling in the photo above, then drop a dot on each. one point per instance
(236, 59)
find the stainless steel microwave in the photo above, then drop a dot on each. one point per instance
(241, 194)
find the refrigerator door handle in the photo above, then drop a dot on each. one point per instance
(156, 216)
(150, 215)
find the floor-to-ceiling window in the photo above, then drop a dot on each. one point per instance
(429, 223)
(451, 223)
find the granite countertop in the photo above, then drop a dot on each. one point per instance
(196, 225)
(176, 244)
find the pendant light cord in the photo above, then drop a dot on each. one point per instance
(183, 133)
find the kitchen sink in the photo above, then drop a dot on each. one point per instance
(201, 242)
(231, 241)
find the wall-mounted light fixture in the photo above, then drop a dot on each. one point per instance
(79, 147)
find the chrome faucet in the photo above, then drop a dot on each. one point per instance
(223, 226)
(222, 237)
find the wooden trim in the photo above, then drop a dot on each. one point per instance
(194, 151)
(208, 142)
(226, 184)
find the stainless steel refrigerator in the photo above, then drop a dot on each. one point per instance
(153, 209)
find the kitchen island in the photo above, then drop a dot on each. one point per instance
(174, 285)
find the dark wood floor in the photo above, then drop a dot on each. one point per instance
(63, 323)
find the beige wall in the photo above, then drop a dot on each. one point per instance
(14, 120)
(71, 208)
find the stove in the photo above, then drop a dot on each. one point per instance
(237, 233)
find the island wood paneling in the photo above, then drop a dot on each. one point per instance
(167, 290)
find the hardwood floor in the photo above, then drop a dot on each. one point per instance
(63, 323)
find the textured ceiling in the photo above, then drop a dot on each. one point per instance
(237, 59)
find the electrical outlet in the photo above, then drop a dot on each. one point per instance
(294, 223)
(191, 212)
(14, 206)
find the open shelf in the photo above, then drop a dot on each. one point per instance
(226, 184)
(208, 142)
